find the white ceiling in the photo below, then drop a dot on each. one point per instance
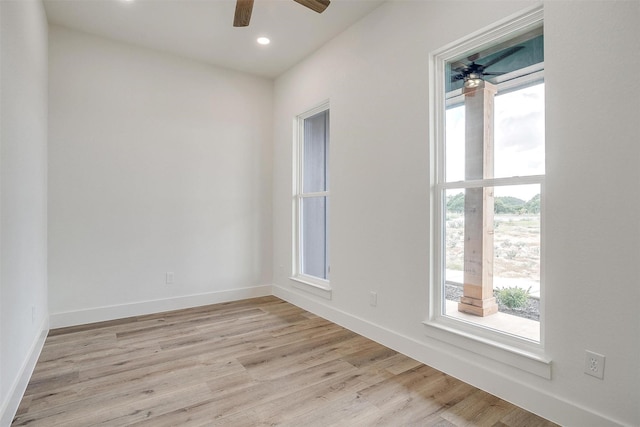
(203, 29)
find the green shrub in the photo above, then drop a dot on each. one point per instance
(513, 297)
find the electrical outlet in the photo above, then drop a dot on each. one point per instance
(594, 364)
(373, 299)
(169, 278)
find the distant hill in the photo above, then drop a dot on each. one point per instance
(503, 205)
(508, 204)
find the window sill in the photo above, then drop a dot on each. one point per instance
(317, 287)
(531, 361)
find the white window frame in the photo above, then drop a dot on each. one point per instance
(512, 350)
(315, 285)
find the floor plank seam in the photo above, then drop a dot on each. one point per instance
(257, 362)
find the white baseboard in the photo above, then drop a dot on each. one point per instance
(538, 401)
(100, 314)
(554, 408)
(16, 391)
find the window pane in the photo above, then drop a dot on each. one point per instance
(454, 151)
(314, 237)
(503, 257)
(516, 238)
(316, 151)
(454, 236)
(490, 136)
(519, 132)
(518, 135)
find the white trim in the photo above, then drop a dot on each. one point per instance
(518, 79)
(493, 182)
(120, 311)
(517, 355)
(313, 285)
(439, 355)
(16, 390)
(319, 108)
(458, 362)
(316, 194)
(495, 345)
(298, 196)
(503, 30)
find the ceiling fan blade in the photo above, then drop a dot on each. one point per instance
(243, 13)
(459, 66)
(473, 57)
(493, 74)
(315, 5)
(506, 54)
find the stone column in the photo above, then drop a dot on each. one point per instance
(478, 296)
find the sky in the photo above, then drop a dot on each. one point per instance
(518, 138)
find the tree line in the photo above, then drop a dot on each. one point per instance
(502, 205)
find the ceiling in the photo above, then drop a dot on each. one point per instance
(203, 29)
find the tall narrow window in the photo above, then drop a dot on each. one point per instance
(489, 185)
(491, 195)
(312, 198)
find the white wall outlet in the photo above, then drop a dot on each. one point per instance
(169, 278)
(373, 299)
(594, 364)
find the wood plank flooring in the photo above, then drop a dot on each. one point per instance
(257, 362)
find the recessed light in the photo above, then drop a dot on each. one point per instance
(263, 40)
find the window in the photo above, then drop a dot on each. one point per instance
(491, 197)
(312, 199)
(488, 188)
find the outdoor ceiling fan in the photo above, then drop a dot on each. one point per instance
(473, 73)
(244, 8)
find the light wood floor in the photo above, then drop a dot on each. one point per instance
(258, 362)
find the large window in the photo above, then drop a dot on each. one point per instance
(312, 198)
(491, 196)
(488, 187)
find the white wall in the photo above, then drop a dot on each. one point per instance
(23, 197)
(160, 164)
(157, 164)
(376, 77)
